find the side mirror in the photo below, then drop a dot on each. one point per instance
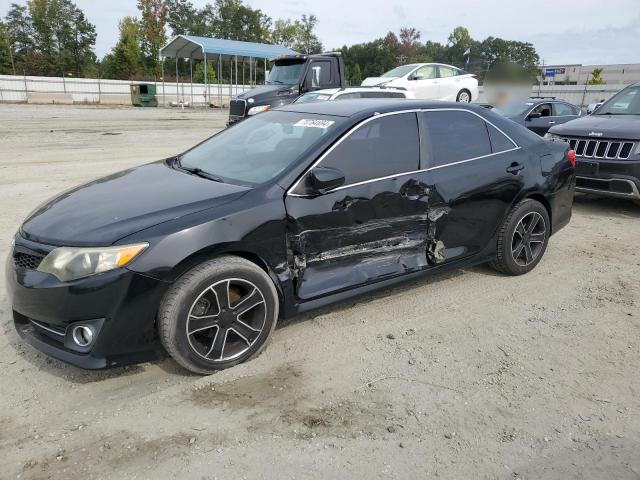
(323, 179)
(533, 115)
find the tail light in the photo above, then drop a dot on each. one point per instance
(571, 156)
(475, 76)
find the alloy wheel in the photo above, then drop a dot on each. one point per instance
(464, 97)
(226, 319)
(528, 239)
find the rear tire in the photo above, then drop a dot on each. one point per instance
(464, 96)
(218, 314)
(523, 238)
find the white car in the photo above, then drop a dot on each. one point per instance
(430, 81)
(349, 93)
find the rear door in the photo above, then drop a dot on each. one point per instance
(449, 82)
(563, 112)
(375, 225)
(474, 173)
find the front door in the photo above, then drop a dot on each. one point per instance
(474, 174)
(424, 83)
(371, 228)
(540, 124)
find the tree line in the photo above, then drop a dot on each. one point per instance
(54, 37)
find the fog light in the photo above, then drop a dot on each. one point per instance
(83, 335)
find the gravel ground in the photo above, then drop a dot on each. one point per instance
(466, 375)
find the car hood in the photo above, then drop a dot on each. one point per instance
(372, 81)
(265, 94)
(110, 208)
(623, 127)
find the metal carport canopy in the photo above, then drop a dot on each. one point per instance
(188, 46)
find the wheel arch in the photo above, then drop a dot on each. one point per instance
(545, 203)
(210, 253)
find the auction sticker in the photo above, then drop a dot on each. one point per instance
(308, 122)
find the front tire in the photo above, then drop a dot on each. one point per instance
(464, 96)
(218, 314)
(523, 238)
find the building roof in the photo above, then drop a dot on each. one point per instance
(188, 46)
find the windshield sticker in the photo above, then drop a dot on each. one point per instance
(307, 122)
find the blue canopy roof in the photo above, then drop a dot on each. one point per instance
(188, 46)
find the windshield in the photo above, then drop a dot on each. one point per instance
(399, 71)
(313, 97)
(514, 109)
(286, 73)
(259, 148)
(625, 102)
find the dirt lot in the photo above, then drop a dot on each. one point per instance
(466, 375)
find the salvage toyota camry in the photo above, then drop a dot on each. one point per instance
(290, 210)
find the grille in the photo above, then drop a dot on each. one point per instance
(26, 261)
(607, 149)
(236, 108)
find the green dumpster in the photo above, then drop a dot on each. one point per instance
(144, 95)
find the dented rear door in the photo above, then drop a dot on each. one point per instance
(373, 227)
(474, 173)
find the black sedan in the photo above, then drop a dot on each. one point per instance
(290, 210)
(540, 114)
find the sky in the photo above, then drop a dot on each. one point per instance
(562, 31)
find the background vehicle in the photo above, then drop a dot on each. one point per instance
(290, 77)
(289, 211)
(540, 114)
(430, 81)
(350, 93)
(607, 145)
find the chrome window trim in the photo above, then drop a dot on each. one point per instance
(400, 174)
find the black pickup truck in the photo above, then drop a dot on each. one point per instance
(607, 146)
(290, 77)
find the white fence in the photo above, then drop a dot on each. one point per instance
(28, 89)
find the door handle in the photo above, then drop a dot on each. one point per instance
(515, 168)
(551, 122)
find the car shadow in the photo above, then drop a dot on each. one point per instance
(585, 203)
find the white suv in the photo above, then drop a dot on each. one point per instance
(430, 81)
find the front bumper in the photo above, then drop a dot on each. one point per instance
(120, 307)
(619, 179)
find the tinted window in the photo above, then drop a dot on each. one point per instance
(382, 95)
(348, 96)
(452, 136)
(562, 109)
(260, 147)
(448, 71)
(320, 73)
(425, 73)
(381, 147)
(499, 143)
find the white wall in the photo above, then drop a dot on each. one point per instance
(98, 91)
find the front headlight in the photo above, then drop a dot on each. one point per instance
(552, 137)
(71, 263)
(260, 109)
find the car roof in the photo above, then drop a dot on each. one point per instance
(366, 106)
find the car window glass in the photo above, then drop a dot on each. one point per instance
(348, 96)
(427, 72)
(382, 94)
(447, 72)
(562, 109)
(452, 136)
(381, 147)
(499, 142)
(261, 147)
(544, 109)
(320, 73)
